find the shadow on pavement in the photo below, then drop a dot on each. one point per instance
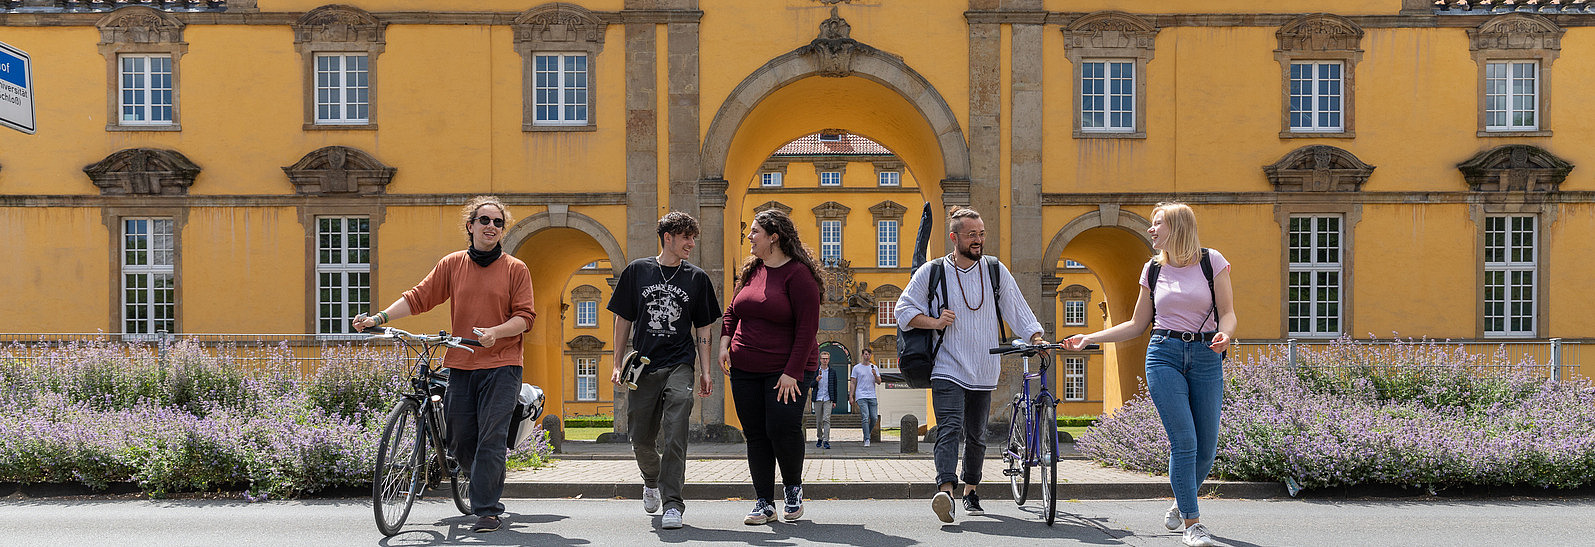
(1067, 526)
(513, 532)
(781, 534)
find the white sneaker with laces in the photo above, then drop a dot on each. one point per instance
(650, 500)
(1172, 520)
(866, 441)
(671, 520)
(1198, 536)
(942, 504)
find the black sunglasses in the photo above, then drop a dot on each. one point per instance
(486, 220)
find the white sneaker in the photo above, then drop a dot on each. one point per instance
(1197, 536)
(866, 441)
(671, 520)
(1172, 520)
(942, 504)
(650, 500)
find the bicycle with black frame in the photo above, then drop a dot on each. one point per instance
(1033, 430)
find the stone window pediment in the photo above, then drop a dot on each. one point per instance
(1074, 292)
(1515, 168)
(561, 28)
(338, 24)
(1318, 168)
(886, 344)
(831, 210)
(1516, 31)
(1320, 32)
(773, 205)
(143, 171)
(1111, 30)
(585, 292)
(888, 210)
(585, 343)
(888, 292)
(339, 170)
(140, 25)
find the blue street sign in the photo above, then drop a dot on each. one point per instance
(16, 90)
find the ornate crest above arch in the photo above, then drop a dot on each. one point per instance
(835, 47)
(143, 171)
(1318, 168)
(339, 170)
(1515, 168)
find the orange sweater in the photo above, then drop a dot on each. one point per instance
(482, 297)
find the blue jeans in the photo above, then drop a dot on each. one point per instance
(1186, 380)
(866, 408)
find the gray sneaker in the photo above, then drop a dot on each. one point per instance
(1171, 519)
(942, 504)
(671, 520)
(1198, 536)
(650, 500)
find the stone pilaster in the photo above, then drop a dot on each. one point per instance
(642, 158)
(985, 123)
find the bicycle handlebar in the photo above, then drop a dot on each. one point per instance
(1019, 346)
(441, 338)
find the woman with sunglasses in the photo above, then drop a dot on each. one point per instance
(492, 303)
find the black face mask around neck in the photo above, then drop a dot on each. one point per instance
(485, 258)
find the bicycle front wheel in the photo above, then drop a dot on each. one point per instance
(1047, 416)
(1013, 453)
(396, 481)
(459, 477)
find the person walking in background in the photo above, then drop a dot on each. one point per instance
(767, 345)
(1187, 299)
(824, 400)
(491, 300)
(981, 294)
(666, 299)
(861, 392)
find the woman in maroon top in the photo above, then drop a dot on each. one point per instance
(767, 346)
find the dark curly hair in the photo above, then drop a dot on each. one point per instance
(776, 223)
(679, 223)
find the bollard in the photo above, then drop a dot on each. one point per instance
(908, 436)
(555, 427)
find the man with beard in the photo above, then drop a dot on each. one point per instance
(965, 374)
(666, 299)
(491, 294)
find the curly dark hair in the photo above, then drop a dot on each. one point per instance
(776, 223)
(468, 212)
(679, 223)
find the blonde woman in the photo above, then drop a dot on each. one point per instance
(1193, 321)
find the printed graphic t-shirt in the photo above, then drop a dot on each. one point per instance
(664, 304)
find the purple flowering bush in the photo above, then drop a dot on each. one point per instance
(1417, 414)
(98, 413)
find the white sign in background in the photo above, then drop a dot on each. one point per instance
(16, 90)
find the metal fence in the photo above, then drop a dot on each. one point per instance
(304, 353)
(1557, 358)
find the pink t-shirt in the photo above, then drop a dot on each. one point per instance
(1183, 302)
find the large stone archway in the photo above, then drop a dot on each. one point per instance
(1113, 243)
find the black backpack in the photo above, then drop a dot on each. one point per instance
(917, 348)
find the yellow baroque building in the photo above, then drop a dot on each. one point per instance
(245, 166)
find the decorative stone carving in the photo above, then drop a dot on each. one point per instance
(559, 24)
(338, 24)
(143, 171)
(339, 170)
(887, 210)
(886, 344)
(140, 25)
(1075, 292)
(1110, 29)
(585, 293)
(831, 210)
(1516, 31)
(585, 343)
(835, 47)
(888, 292)
(1318, 168)
(1320, 32)
(839, 285)
(773, 205)
(1515, 168)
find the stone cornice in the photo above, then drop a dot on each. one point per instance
(1309, 198)
(387, 17)
(284, 200)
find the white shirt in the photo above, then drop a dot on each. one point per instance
(963, 358)
(864, 381)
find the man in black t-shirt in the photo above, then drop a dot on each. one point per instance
(672, 305)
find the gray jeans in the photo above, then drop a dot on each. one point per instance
(822, 420)
(960, 419)
(657, 413)
(478, 412)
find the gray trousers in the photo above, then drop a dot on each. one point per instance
(822, 420)
(657, 413)
(478, 412)
(960, 419)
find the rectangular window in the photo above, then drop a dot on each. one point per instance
(1510, 268)
(587, 378)
(343, 271)
(1074, 379)
(830, 241)
(886, 362)
(830, 178)
(770, 180)
(343, 89)
(149, 280)
(146, 89)
(1512, 96)
(886, 313)
(1070, 264)
(560, 82)
(1315, 97)
(1107, 96)
(1074, 313)
(587, 313)
(890, 178)
(886, 244)
(1315, 273)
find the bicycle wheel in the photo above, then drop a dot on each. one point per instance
(1047, 419)
(397, 478)
(1013, 453)
(459, 479)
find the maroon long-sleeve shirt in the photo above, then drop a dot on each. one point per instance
(773, 321)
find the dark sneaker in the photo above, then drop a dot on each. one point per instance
(819, 444)
(972, 505)
(487, 524)
(762, 513)
(794, 503)
(827, 445)
(942, 504)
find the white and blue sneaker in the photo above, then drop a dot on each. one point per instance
(794, 503)
(762, 513)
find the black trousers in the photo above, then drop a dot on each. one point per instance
(774, 429)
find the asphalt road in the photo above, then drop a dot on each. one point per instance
(875, 523)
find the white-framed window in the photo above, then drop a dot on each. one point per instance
(1512, 96)
(1074, 313)
(885, 313)
(1317, 97)
(830, 178)
(590, 265)
(830, 241)
(890, 178)
(587, 313)
(1074, 379)
(1511, 250)
(146, 89)
(587, 378)
(1107, 96)
(770, 179)
(560, 89)
(1070, 264)
(149, 279)
(886, 244)
(343, 89)
(343, 272)
(1313, 302)
(886, 362)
